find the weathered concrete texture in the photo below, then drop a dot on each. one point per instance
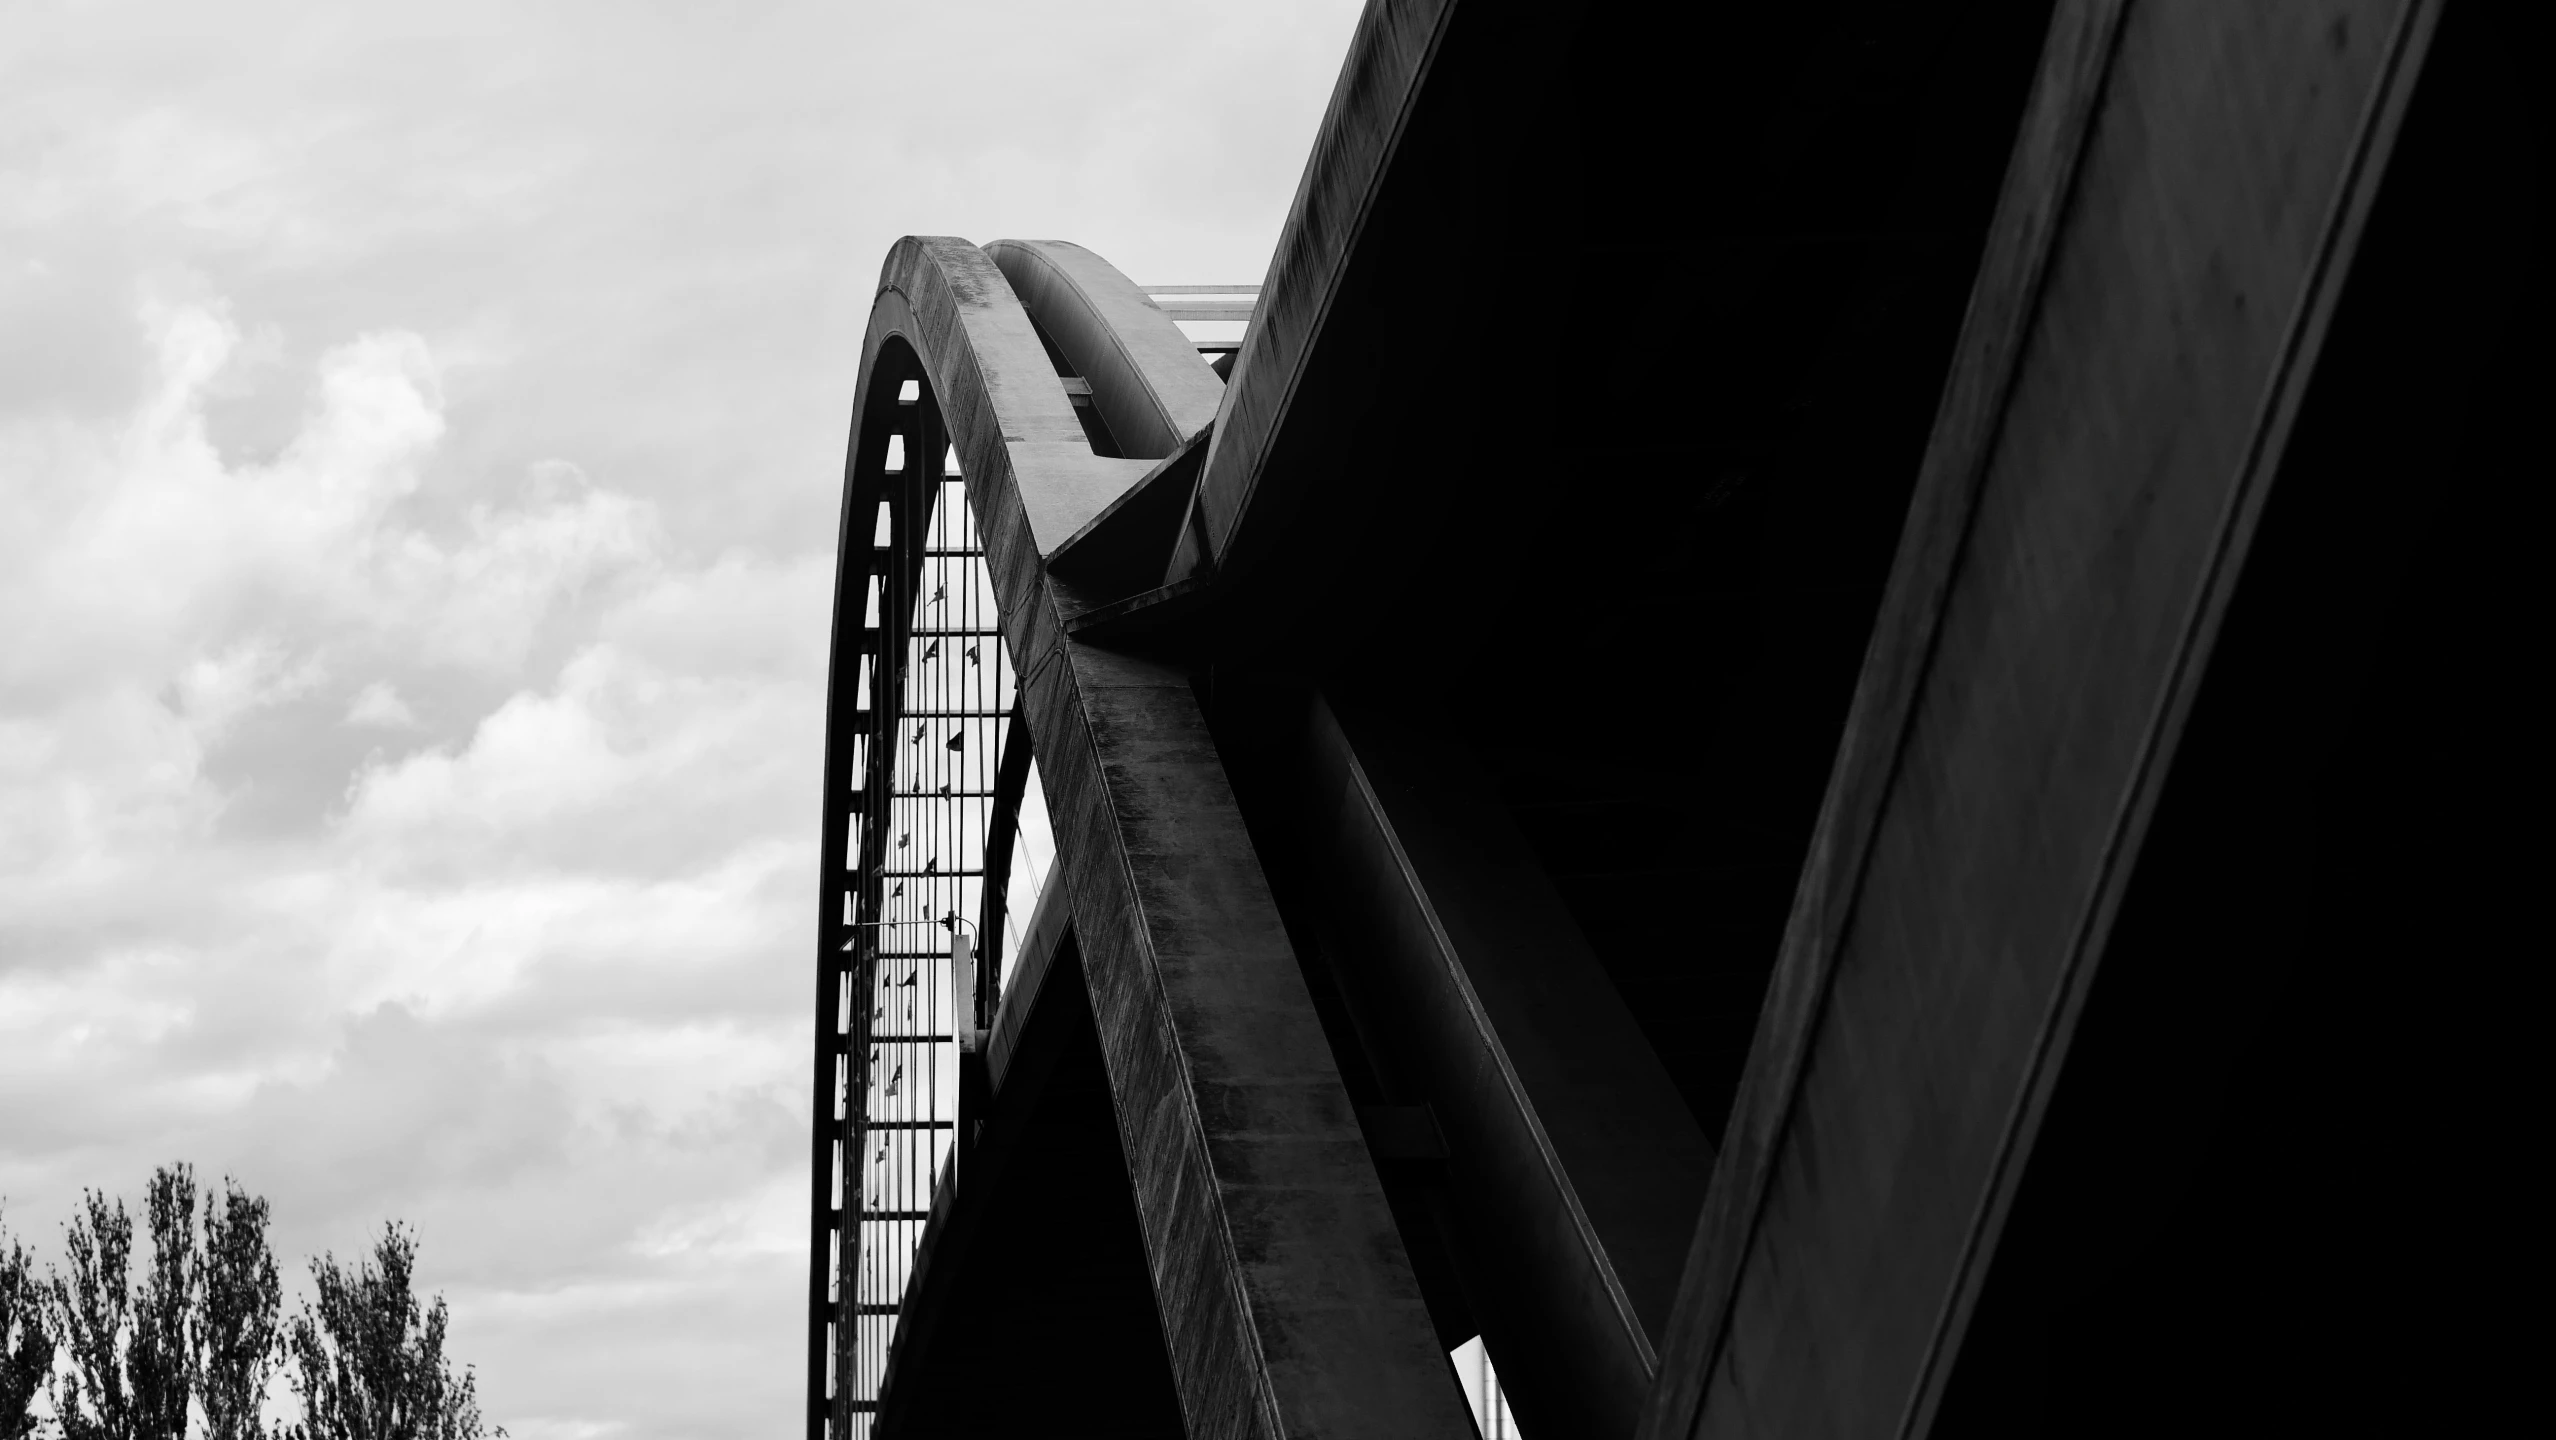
(1287, 1303)
(1005, 407)
(1147, 381)
(1274, 1250)
(2183, 206)
(1151, 390)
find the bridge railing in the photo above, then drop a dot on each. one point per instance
(930, 833)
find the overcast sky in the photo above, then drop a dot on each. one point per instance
(421, 434)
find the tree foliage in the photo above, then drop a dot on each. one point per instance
(26, 1344)
(160, 1358)
(93, 1313)
(131, 1351)
(238, 1327)
(369, 1362)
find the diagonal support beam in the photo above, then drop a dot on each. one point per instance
(1576, 1168)
(2182, 208)
(1390, 55)
(1287, 1303)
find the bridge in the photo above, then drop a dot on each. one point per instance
(1777, 738)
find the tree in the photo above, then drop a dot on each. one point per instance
(202, 1322)
(26, 1344)
(92, 1311)
(369, 1363)
(238, 1316)
(131, 1351)
(160, 1360)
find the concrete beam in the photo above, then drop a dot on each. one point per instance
(1119, 554)
(1575, 1169)
(1040, 937)
(2182, 207)
(1288, 1302)
(1004, 405)
(1380, 82)
(1147, 381)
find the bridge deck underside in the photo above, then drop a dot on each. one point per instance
(1746, 743)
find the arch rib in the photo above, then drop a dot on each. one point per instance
(1286, 1301)
(1147, 380)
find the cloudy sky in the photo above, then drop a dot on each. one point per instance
(420, 439)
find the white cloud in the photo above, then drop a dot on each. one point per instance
(215, 692)
(657, 748)
(147, 543)
(378, 705)
(502, 968)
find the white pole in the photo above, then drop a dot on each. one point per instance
(963, 986)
